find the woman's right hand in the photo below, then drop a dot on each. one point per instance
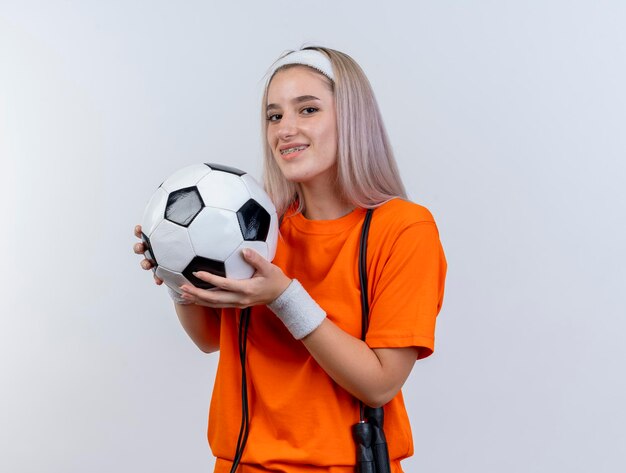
(140, 249)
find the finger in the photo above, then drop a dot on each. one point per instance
(226, 284)
(209, 298)
(145, 264)
(139, 248)
(255, 259)
(219, 306)
(138, 231)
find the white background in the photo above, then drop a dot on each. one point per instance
(508, 121)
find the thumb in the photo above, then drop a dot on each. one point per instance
(255, 259)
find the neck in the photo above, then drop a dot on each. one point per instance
(324, 204)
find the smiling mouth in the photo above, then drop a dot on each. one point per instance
(292, 150)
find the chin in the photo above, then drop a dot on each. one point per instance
(292, 175)
(295, 179)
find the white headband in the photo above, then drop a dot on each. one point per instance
(306, 57)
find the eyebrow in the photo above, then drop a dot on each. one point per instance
(300, 99)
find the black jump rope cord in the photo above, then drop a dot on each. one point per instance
(244, 322)
(244, 429)
(372, 452)
(365, 307)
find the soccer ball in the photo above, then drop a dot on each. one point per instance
(200, 218)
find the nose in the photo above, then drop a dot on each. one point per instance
(287, 127)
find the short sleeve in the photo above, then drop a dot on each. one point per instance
(406, 291)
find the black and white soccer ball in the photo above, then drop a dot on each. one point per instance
(200, 219)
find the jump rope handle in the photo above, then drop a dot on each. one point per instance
(375, 417)
(362, 433)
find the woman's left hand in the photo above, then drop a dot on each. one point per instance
(267, 283)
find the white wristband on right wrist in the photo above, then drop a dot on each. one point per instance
(176, 297)
(298, 310)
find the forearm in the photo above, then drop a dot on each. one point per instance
(202, 324)
(372, 375)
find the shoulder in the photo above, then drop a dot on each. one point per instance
(400, 228)
(399, 214)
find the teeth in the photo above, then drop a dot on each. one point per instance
(292, 150)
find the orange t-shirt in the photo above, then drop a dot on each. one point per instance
(300, 419)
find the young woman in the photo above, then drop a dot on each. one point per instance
(327, 160)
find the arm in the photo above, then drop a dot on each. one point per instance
(202, 324)
(372, 375)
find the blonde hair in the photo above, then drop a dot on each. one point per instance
(367, 174)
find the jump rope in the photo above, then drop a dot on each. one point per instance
(368, 434)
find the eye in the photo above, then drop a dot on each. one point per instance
(309, 110)
(274, 117)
